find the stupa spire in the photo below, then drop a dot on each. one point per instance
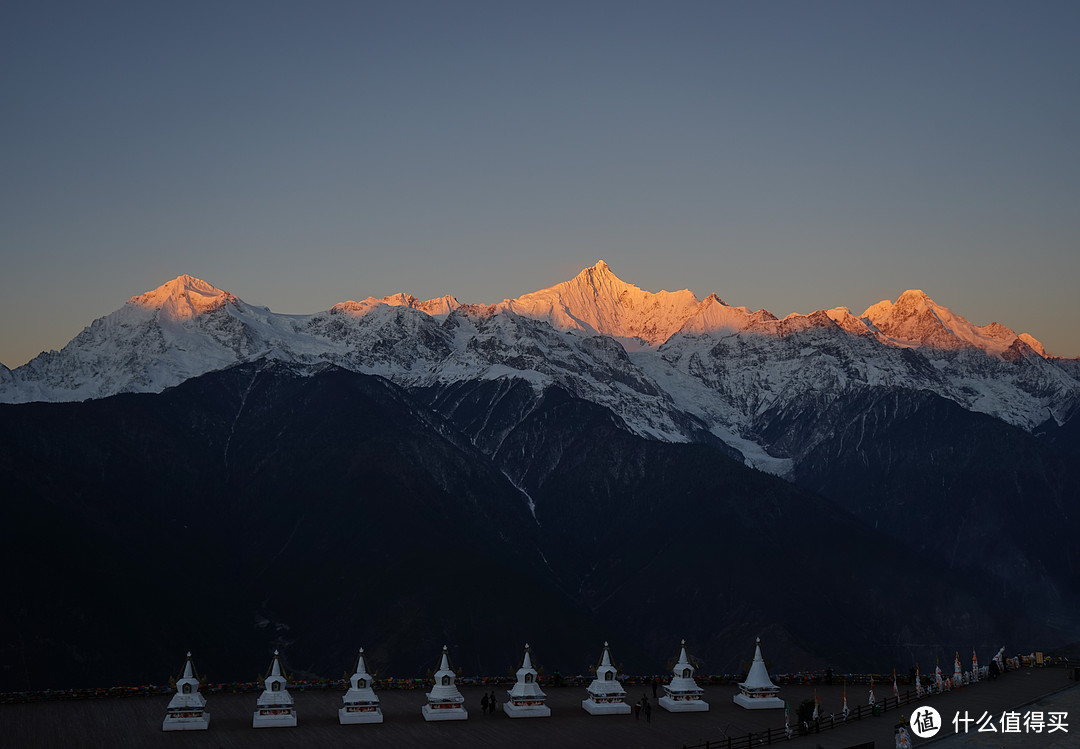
(758, 692)
(606, 694)
(444, 701)
(274, 707)
(682, 694)
(275, 666)
(360, 704)
(187, 708)
(526, 699)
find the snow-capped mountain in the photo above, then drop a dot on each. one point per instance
(671, 366)
(553, 437)
(916, 320)
(597, 302)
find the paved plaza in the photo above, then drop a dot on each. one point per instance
(135, 722)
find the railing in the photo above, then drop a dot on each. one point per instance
(777, 735)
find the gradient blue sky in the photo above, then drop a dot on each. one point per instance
(786, 155)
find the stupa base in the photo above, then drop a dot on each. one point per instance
(683, 706)
(187, 724)
(526, 711)
(347, 718)
(444, 713)
(758, 703)
(605, 708)
(287, 720)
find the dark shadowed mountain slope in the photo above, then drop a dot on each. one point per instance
(250, 508)
(320, 511)
(980, 497)
(678, 540)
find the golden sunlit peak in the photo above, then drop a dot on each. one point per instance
(184, 296)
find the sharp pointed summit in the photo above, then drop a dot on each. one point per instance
(598, 302)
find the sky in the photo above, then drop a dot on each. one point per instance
(791, 156)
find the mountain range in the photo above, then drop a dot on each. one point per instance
(677, 357)
(631, 465)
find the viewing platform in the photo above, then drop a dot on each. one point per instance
(135, 722)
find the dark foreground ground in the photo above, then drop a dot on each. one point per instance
(135, 722)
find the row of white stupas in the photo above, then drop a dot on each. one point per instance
(606, 696)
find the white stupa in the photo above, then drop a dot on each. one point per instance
(606, 694)
(526, 700)
(444, 701)
(360, 705)
(683, 695)
(275, 704)
(187, 708)
(758, 692)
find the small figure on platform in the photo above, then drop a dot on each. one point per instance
(1000, 660)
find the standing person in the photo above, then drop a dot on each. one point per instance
(492, 702)
(484, 703)
(648, 712)
(655, 683)
(637, 710)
